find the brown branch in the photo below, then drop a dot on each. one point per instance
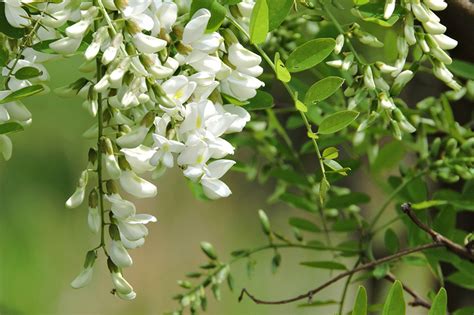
(309, 295)
(417, 299)
(463, 252)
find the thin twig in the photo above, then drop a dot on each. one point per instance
(453, 247)
(417, 299)
(367, 266)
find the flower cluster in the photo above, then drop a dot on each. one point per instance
(382, 81)
(159, 95)
(21, 76)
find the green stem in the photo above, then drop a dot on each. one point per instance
(346, 287)
(293, 96)
(100, 133)
(392, 196)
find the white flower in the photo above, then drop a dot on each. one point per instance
(94, 219)
(134, 138)
(241, 86)
(137, 186)
(66, 45)
(78, 196)
(83, 279)
(133, 228)
(119, 255)
(139, 158)
(165, 15)
(179, 88)
(15, 14)
(120, 284)
(147, 44)
(6, 147)
(164, 150)
(212, 186)
(121, 208)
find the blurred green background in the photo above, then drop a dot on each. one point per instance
(42, 244)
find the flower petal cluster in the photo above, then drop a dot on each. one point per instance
(160, 96)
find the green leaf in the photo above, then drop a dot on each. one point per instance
(281, 72)
(218, 12)
(360, 304)
(345, 225)
(389, 156)
(323, 89)
(462, 69)
(26, 73)
(301, 106)
(343, 201)
(304, 225)
(337, 121)
(330, 153)
(373, 12)
(462, 279)
(323, 190)
(259, 22)
(428, 204)
(310, 54)
(10, 127)
(381, 271)
(262, 100)
(298, 202)
(391, 241)
(324, 265)
(278, 11)
(395, 303)
(440, 303)
(22, 93)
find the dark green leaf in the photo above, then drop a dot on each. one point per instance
(462, 69)
(22, 93)
(304, 224)
(26, 73)
(262, 100)
(298, 202)
(10, 127)
(391, 241)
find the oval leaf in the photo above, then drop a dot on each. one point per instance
(323, 89)
(310, 54)
(262, 100)
(440, 303)
(337, 121)
(395, 303)
(10, 127)
(259, 22)
(277, 13)
(360, 305)
(304, 224)
(22, 93)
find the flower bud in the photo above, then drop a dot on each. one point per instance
(85, 276)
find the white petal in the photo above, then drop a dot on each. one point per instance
(137, 186)
(77, 198)
(119, 255)
(214, 188)
(83, 279)
(94, 220)
(218, 168)
(120, 284)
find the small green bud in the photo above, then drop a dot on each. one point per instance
(451, 147)
(114, 232)
(264, 222)
(111, 187)
(93, 199)
(209, 250)
(91, 256)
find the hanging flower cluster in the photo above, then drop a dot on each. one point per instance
(23, 74)
(158, 94)
(382, 81)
